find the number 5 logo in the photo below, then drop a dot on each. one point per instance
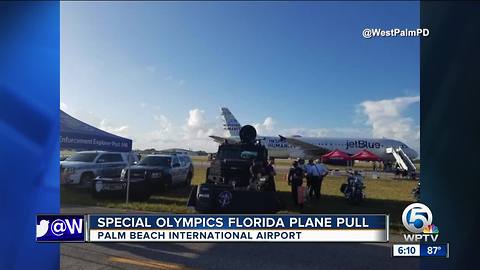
(417, 216)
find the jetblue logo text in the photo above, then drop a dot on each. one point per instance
(362, 144)
(60, 228)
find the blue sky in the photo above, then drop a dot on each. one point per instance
(158, 72)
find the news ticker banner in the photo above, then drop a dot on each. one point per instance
(212, 228)
(421, 250)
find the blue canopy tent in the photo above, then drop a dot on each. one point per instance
(77, 135)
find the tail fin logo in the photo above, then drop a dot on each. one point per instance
(231, 125)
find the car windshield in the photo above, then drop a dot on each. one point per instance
(82, 157)
(155, 161)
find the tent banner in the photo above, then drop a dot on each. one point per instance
(85, 142)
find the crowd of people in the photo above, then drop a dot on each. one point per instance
(312, 172)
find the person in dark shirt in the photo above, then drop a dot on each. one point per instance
(295, 180)
(257, 168)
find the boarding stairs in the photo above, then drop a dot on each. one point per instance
(402, 159)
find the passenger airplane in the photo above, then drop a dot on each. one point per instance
(313, 147)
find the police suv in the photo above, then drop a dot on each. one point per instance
(82, 167)
(152, 173)
(162, 169)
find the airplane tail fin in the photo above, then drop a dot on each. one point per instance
(230, 125)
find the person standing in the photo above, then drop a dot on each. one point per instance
(301, 164)
(257, 169)
(270, 170)
(320, 171)
(295, 180)
(312, 176)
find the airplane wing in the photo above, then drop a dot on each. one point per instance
(309, 149)
(219, 139)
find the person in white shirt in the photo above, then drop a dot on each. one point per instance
(311, 176)
(316, 173)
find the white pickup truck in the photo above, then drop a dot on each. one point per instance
(82, 167)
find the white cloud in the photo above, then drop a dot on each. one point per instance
(191, 134)
(195, 118)
(197, 129)
(108, 127)
(267, 127)
(143, 104)
(181, 82)
(386, 118)
(163, 122)
(162, 136)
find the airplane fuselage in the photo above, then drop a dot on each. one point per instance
(279, 148)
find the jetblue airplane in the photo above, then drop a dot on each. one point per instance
(313, 147)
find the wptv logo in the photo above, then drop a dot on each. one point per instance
(60, 228)
(418, 218)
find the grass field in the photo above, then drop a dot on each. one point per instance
(383, 196)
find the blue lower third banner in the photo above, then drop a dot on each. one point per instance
(237, 228)
(60, 228)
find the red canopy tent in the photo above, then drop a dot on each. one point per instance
(336, 155)
(366, 155)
